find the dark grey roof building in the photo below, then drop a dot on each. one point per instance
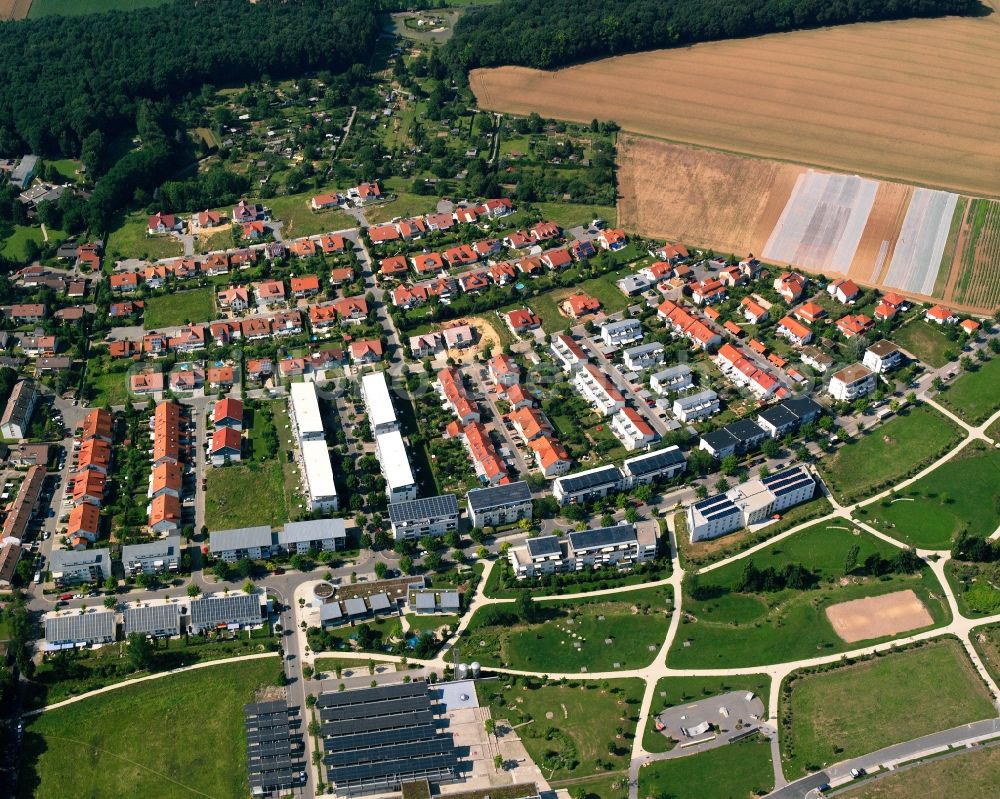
(414, 518)
(232, 611)
(499, 505)
(159, 621)
(274, 747)
(79, 629)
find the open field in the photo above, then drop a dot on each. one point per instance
(868, 99)
(244, 495)
(130, 240)
(15, 246)
(978, 254)
(46, 8)
(14, 9)
(626, 629)
(974, 395)
(301, 220)
(888, 453)
(877, 242)
(672, 691)
(171, 310)
(878, 616)
(986, 640)
(106, 746)
(584, 719)
(726, 627)
(736, 771)
(866, 706)
(973, 772)
(568, 215)
(958, 495)
(927, 342)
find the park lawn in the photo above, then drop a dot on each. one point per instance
(612, 786)
(109, 745)
(926, 341)
(569, 215)
(301, 220)
(860, 708)
(549, 646)
(888, 453)
(67, 167)
(68, 8)
(671, 691)
(130, 240)
(245, 495)
(735, 771)
(174, 310)
(405, 204)
(733, 629)
(972, 772)
(959, 495)
(428, 624)
(15, 245)
(974, 395)
(568, 727)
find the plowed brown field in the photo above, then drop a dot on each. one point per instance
(14, 9)
(916, 101)
(871, 260)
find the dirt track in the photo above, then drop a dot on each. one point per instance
(916, 101)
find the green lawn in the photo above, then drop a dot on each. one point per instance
(420, 624)
(987, 644)
(959, 495)
(172, 310)
(45, 8)
(866, 706)
(130, 240)
(289, 466)
(110, 388)
(301, 220)
(109, 745)
(67, 167)
(672, 691)
(926, 341)
(888, 453)
(974, 395)
(567, 728)
(733, 629)
(244, 495)
(223, 240)
(568, 215)
(592, 633)
(15, 245)
(970, 772)
(736, 771)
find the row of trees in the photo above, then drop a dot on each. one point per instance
(551, 33)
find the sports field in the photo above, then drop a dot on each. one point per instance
(111, 745)
(870, 99)
(860, 708)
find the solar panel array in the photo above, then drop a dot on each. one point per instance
(655, 461)
(788, 480)
(590, 479)
(425, 508)
(716, 507)
(232, 609)
(80, 628)
(602, 537)
(153, 620)
(377, 738)
(274, 748)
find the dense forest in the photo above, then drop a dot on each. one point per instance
(65, 79)
(551, 33)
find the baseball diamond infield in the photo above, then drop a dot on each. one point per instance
(878, 616)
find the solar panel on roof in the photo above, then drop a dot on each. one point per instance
(543, 546)
(425, 508)
(654, 461)
(408, 749)
(364, 740)
(377, 694)
(591, 479)
(603, 537)
(498, 496)
(354, 726)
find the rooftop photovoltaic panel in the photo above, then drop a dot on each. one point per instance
(543, 545)
(654, 461)
(591, 479)
(437, 745)
(232, 609)
(80, 627)
(153, 619)
(426, 508)
(364, 696)
(603, 537)
(498, 496)
(392, 768)
(707, 504)
(366, 740)
(354, 726)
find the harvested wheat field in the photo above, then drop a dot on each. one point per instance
(878, 241)
(14, 9)
(916, 101)
(878, 616)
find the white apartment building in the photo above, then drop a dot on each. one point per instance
(852, 382)
(568, 353)
(618, 334)
(596, 387)
(673, 380)
(631, 429)
(391, 453)
(699, 405)
(882, 356)
(378, 403)
(644, 356)
(588, 485)
(620, 546)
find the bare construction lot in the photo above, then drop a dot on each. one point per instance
(878, 616)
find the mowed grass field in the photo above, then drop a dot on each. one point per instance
(736, 771)
(588, 714)
(926, 341)
(172, 738)
(888, 453)
(244, 495)
(130, 240)
(974, 395)
(170, 310)
(593, 633)
(47, 8)
(972, 772)
(864, 707)
(958, 495)
(726, 628)
(868, 98)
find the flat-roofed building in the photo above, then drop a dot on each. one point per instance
(412, 519)
(748, 503)
(672, 380)
(499, 505)
(20, 406)
(598, 389)
(542, 555)
(317, 535)
(378, 403)
(159, 620)
(304, 407)
(317, 473)
(644, 356)
(243, 542)
(661, 464)
(699, 405)
(588, 485)
(74, 629)
(621, 545)
(231, 611)
(153, 558)
(392, 457)
(69, 567)
(617, 334)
